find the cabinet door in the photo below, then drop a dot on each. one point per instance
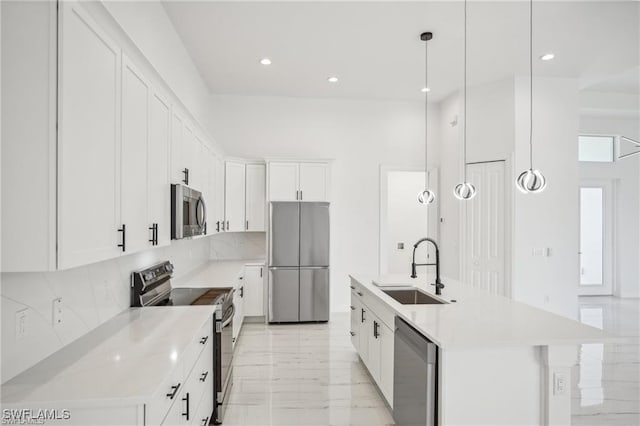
(363, 333)
(283, 181)
(135, 136)
(386, 362)
(255, 197)
(314, 178)
(188, 155)
(177, 149)
(355, 321)
(219, 194)
(254, 291)
(210, 199)
(373, 359)
(159, 147)
(200, 172)
(238, 305)
(234, 197)
(89, 141)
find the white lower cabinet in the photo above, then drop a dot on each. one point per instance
(254, 285)
(372, 337)
(189, 392)
(238, 305)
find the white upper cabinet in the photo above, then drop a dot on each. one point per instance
(135, 135)
(218, 197)
(255, 197)
(177, 154)
(234, 198)
(88, 141)
(314, 181)
(283, 182)
(292, 181)
(159, 195)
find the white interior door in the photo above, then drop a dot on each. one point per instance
(484, 229)
(596, 245)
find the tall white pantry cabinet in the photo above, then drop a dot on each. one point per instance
(96, 133)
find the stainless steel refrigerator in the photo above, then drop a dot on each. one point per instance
(299, 261)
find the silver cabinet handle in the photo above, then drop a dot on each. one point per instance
(301, 195)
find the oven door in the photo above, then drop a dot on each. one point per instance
(224, 359)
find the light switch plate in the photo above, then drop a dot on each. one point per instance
(22, 318)
(559, 384)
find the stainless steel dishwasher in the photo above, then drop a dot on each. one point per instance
(415, 377)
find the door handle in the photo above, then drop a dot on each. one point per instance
(186, 398)
(218, 226)
(185, 172)
(123, 245)
(362, 317)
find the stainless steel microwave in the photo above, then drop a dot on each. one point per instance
(188, 212)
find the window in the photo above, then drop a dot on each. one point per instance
(597, 149)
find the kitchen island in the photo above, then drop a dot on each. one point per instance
(499, 361)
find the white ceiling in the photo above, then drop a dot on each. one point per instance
(374, 47)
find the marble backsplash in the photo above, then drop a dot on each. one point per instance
(93, 294)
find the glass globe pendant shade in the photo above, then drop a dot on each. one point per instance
(464, 191)
(426, 197)
(531, 181)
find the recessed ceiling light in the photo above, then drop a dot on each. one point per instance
(547, 56)
(265, 61)
(332, 79)
(425, 89)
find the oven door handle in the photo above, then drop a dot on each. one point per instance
(230, 317)
(201, 202)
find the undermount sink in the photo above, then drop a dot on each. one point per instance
(412, 297)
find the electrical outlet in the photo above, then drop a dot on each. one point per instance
(22, 323)
(559, 383)
(57, 311)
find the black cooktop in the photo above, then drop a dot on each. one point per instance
(195, 296)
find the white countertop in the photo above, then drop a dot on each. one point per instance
(216, 273)
(123, 361)
(478, 318)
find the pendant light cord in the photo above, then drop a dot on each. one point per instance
(464, 138)
(531, 84)
(426, 113)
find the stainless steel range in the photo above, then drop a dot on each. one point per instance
(152, 287)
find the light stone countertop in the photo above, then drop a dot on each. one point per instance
(216, 273)
(479, 319)
(122, 362)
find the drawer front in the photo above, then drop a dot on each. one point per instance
(204, 337)
(204, 411)
(166, 397)
(200, 382)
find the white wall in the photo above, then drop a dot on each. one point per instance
(626, 175)
(548, 219)
(358, 135)
(406, 221)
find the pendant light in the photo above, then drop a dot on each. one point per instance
(465, 190)
(531, 180)
(427, 196)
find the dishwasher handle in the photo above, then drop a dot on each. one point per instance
(412, 337)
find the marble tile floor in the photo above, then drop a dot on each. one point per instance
(606, 382)
(302, 375)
